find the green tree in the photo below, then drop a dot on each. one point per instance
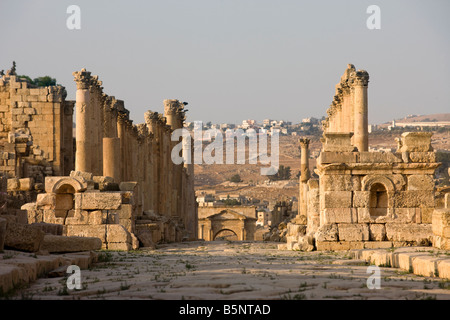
(45, 81)
(40, 81)
(284, 173)
(235, 178)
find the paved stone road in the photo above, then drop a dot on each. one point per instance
(234, 270)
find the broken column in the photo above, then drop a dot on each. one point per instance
(111, 158)
(361, 137)
(304, 177)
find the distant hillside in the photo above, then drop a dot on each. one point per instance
(423, 118)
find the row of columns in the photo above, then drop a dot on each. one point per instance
(108, 144)
(349, 109)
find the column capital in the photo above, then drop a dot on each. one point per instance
(82, 79)
(304, 142)
(360, 78)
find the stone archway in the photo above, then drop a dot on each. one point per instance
(226, 234)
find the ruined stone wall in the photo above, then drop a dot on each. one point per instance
(35, 130)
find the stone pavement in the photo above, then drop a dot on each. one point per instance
(234, 270)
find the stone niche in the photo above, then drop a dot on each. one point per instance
(86, 212)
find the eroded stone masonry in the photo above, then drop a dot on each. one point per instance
(365, 199)
(113, 180)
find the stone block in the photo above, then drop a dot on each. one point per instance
(416, 142)
(337, 157)
(336, 199)
(414, 198)
(339, 246)
(340, 182)
(46, 201)
(95, 231)
(441, 223)
(406, 215)
(361, 199)
(98, 200)
(95, 217)
(59, 244)
(378, 157)
(327, 232)
(334, 141)
(128, 186)
(145, 238)
(23, 237)
(50, 228)
(116, 233)
(422, 157)
(340, 215)
(127, 223)
(85, 175)
(425, 266)
(13, 184)
(296, 229)
(120, 246)
(353, 232)
(377, 244)
(411, 232)
(26, 184)
(420, 182)
(425, 215)
(441, 243)
(377, 232)
(443, 268)
(126, 211)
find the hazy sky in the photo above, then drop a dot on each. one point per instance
(238, 59)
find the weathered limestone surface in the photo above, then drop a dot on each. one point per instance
(58, 244)
(353, 232)
(441, 229)
(98, 200)
(420, 233)
(418, 260)
(23, 237)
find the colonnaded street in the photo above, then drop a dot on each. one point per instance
(241, 270)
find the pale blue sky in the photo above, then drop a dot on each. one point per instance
(238, 59)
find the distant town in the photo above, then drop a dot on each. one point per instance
(312, 126)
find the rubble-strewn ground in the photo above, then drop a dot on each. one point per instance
(234, 270)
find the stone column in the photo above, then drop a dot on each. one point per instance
(82, 131)
(111, 158)
(121, 134)
(361, 137)
(304, 177)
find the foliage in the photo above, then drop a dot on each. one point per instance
(284, 173)
(40, 81)
(235, 178)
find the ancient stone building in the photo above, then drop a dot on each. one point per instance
(120, 185)
(364, 199)
(228, 222)
(36, 137)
